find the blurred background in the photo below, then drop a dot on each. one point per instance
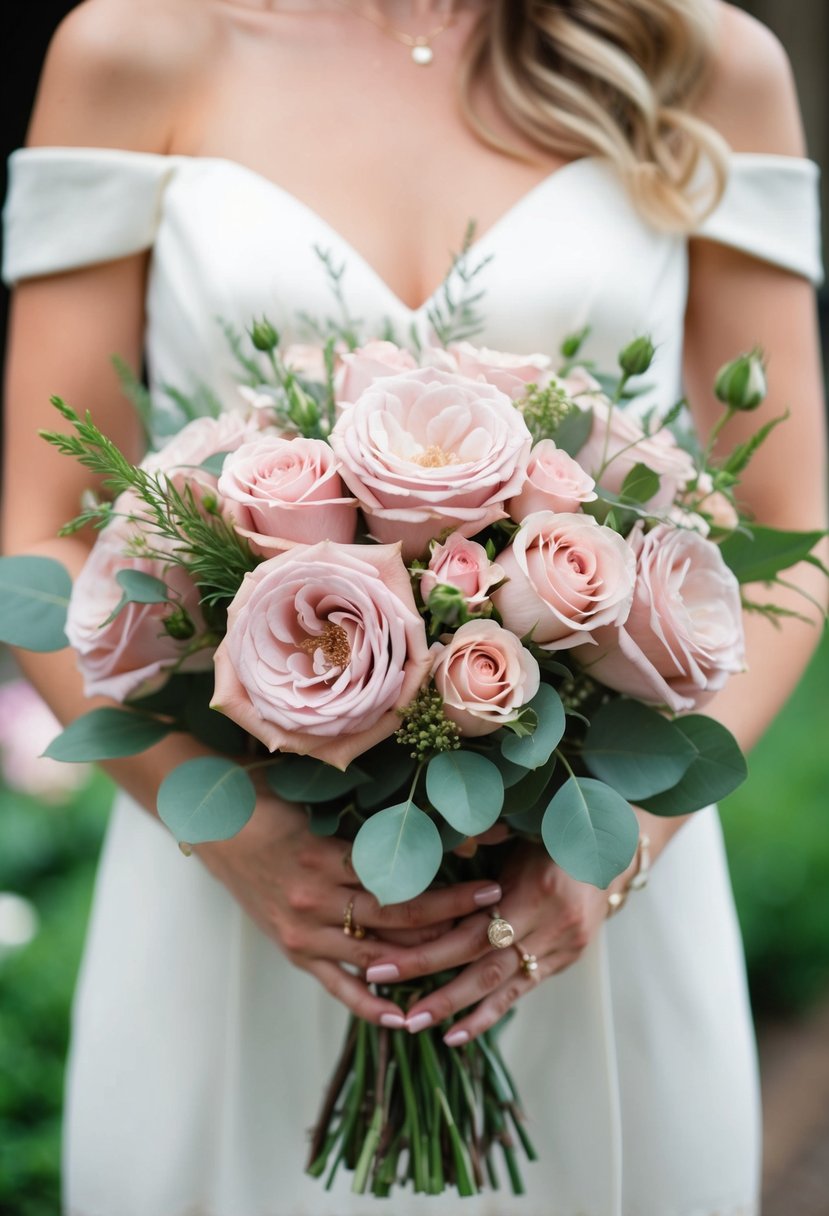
(777, 826)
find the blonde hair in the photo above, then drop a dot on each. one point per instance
(607, 78)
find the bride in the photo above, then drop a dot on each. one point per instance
(635, 165)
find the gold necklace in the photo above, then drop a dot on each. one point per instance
(419, 44)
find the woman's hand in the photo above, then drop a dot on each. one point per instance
(297, 887)
(555, 918)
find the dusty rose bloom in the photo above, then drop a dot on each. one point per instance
(359, 369)
(485, 676)
(618, 441)
(464, 564)
(555, 482)
(507, 372)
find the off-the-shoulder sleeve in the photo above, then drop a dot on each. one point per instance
(771, 209)
(73, 207)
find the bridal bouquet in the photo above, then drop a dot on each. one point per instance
(427, 590)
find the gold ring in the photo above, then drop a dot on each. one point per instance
(350, 926)
(528, 965)
(500, 932)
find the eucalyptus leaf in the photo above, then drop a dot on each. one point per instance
(137, 588)
(214, 464)
(34, 597)
(511, 773)
(635, 750)
(450, 839)
(304, 779)
(718, 768)
(206, 799)
(529, 790)
(526, 723)
(106, 734)
(323, 821)
(390, 767)
(590, 831)
(211, 727)
(536, 749)
(466, 789)
(397, 853)
(529, 820)
(757, 555)
(640, 485)
(573, 431)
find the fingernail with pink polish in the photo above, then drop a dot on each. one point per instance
(394, 1021)
(487, 895)
(382, 973)
(456, 1038)
(419, 1022)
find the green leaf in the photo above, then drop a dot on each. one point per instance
(397, 852)
(209, 726)
(450, 839)
(526, 723)
(511, 773)
(573, 431)
(390, 767)
(640, 485)
(590, 831)
(526, 793)
(206, 799)
(758, 554)
(537, 748)
(529, 820)
(137, 588)
(323, 821)
(34, 596)
(304, 779)
(718, 768)
(214, 464)
(466, 789)
(106, 734)
(742, 455)
(636, 750)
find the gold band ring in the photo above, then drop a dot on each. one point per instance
(350, 926)
(500, 933)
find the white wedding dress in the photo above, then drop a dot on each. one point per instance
(199, 1053)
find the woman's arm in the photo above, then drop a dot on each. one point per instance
(735, 302)
(117, 75)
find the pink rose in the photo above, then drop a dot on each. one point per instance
(359, 369)
(324, 645)
(464, 564)
(427, 451)
(27, 727)
(618, 439)
(579, 383)
(133, 654)
(181, 457)
(567, 576)
(555, 482)
(485, 676)
(281, 492)
(306, 361)
(684, 634)
(720, 510)
(510, 373)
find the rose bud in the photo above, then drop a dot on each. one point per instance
(741, 384)
(263, 336)
(637, 357)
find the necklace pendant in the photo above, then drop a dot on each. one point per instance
(422, 54)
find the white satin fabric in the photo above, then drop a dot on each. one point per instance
(199, 1054)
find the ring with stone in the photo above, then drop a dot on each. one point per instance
(528, 965)
(500, 933)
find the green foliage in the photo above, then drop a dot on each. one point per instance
(532, 751)
(426, 730)
(34, 597)
(304, 779)
(105, 734)
(636, 750)
(206, 799)
(759, 554)
(549, 412)
(718, 769)
(466, 789)
(137, 588)
(453, 314)
(640, 485)
(590, 831)
(397, 852)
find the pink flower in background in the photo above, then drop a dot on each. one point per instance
(485, 676)
(580, 383)
(428, 451)
(618, 441)
(720, 510)
(181, 457)
(324, 646)
(281, 492)
(684, 634)
(27, 727)
(464, 564)
(507, 372)
(555, 482)
(358, 370)
(133, 654)
(306, 361)
(567, 576)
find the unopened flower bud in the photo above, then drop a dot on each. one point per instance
(637, 357)
(179, 625)
(263, 336)
(573, 343)
(741, 384)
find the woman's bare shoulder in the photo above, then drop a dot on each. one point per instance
(751, 95)
(118, 72)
